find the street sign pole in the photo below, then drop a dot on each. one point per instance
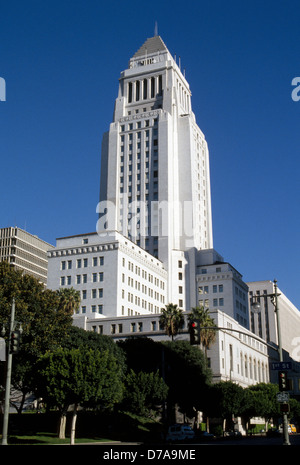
(286, 441)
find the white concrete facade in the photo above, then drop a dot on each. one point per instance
(155, 162)
(237, 355)
(220, 286)
(114, 276)
(264, 324)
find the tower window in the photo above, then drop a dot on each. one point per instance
(137, 91)
(145, 93)
(160, 85)
(152, 87)
(130, 92)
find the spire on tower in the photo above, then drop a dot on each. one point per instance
(155, 29)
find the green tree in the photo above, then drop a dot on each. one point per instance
(187, 377)
(142, 354)
(180, 365)
(144, 392)
(44, 321)
(69, 299)
(260, 401)
(78, 376)
(78, 337)
(294, 410)
(171, 319)
(225, 400)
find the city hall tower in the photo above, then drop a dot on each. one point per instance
(155, 177)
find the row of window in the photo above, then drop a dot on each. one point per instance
(81, 263)
(94, 308)
(204, 270)
(240, 293)
(215, 288)
(94, 293)
(216, 303)
(241, 320)
(152, 308)
(142, 287)
(144, 89)
(143, 273)
(135, 327)
(138, 125)
(82, 279)
(137, 300)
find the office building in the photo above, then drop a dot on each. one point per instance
(25, 252)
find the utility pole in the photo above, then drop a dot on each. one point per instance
(256, 307)
(8, 376)
(286, 441)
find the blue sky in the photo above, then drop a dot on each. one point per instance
(61, 62)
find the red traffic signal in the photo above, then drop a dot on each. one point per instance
(282, 381)
(194, 330)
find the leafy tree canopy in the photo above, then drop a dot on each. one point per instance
(225, 399)
(143, 392)
(43, 319)
(78, 337)
(78, 376)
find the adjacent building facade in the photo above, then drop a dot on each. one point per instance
(114, 276)
(264, 324)
(25, 252)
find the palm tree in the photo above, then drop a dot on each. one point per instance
(207, 336)
(69, 299)
(171, 319)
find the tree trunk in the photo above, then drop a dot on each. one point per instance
(20, 408)
(62, 425)
(224, 425)
(73, 426)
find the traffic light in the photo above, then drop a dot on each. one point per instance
(14, 342)
(194, 330)
(282, 380)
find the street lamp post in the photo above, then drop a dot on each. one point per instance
(8, 377)
(256, 307)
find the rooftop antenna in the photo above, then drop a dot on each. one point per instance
(156, 29)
